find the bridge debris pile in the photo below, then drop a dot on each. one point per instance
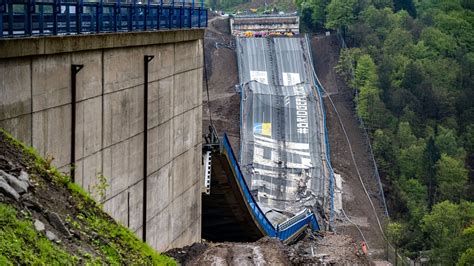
(326, 249)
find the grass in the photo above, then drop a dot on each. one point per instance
(19, 242)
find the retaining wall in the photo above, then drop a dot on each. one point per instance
(36, 107)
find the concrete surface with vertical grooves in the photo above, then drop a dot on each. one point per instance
(35, 106)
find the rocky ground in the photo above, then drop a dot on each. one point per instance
(47, 220)
(327, 249)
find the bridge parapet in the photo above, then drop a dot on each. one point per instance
(56, 17)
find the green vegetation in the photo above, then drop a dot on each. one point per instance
(113, 243)
(19, 242)
(412, 68)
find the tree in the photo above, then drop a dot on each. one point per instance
(446, 142)
(466, 245)
(409, 161)
(414, 194)
(467, 258)
(443, 225)
(345, 65)
(340, 14)
(383, 151)
(313, 12)
(365, 72)
(451, 177)
(431, 156)
(405, 5)
(395, 234)
(440, 42)
(405, 136)
(468, 138)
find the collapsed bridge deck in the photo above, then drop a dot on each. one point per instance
(282, 177)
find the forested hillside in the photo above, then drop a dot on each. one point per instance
(411, 66)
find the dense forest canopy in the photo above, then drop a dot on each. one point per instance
(411, 66)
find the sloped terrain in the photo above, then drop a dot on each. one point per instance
(46, 219)
(355, 202)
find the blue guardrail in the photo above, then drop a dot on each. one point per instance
(309, 219)
(56, 17)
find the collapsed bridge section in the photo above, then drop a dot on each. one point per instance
(282, 133)
(281, 185)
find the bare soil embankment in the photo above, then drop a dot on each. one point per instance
(355, 202)
(223, 104)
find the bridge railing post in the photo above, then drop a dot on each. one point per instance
(117, 16)
(56, 11)
(3, 9)
(145, 15)
(41, 18)
(10, 18)
(131, 15)
(79, 11)
(160, 12)
(98, 15)
(30, 9)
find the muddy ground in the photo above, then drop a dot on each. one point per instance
(327, 249)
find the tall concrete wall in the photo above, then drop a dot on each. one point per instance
(35, 106)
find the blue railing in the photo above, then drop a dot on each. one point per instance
(308, 218)
(55, 17)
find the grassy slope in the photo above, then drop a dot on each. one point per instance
(112, 243)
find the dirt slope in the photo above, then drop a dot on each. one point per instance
(355, 202)
(222, 76)
(52, 221)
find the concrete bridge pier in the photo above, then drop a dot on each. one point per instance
(36, 106)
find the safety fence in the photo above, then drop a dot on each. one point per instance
(391, 252)
(55, 17)
(369, 144)
(284, 231)
(326, 139)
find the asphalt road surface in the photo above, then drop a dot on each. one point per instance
(281, 152)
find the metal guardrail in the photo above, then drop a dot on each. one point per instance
(56, 17)
(291, 226)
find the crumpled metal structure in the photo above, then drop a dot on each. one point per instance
(281, 135)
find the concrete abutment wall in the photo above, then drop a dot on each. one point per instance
(35, 106)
